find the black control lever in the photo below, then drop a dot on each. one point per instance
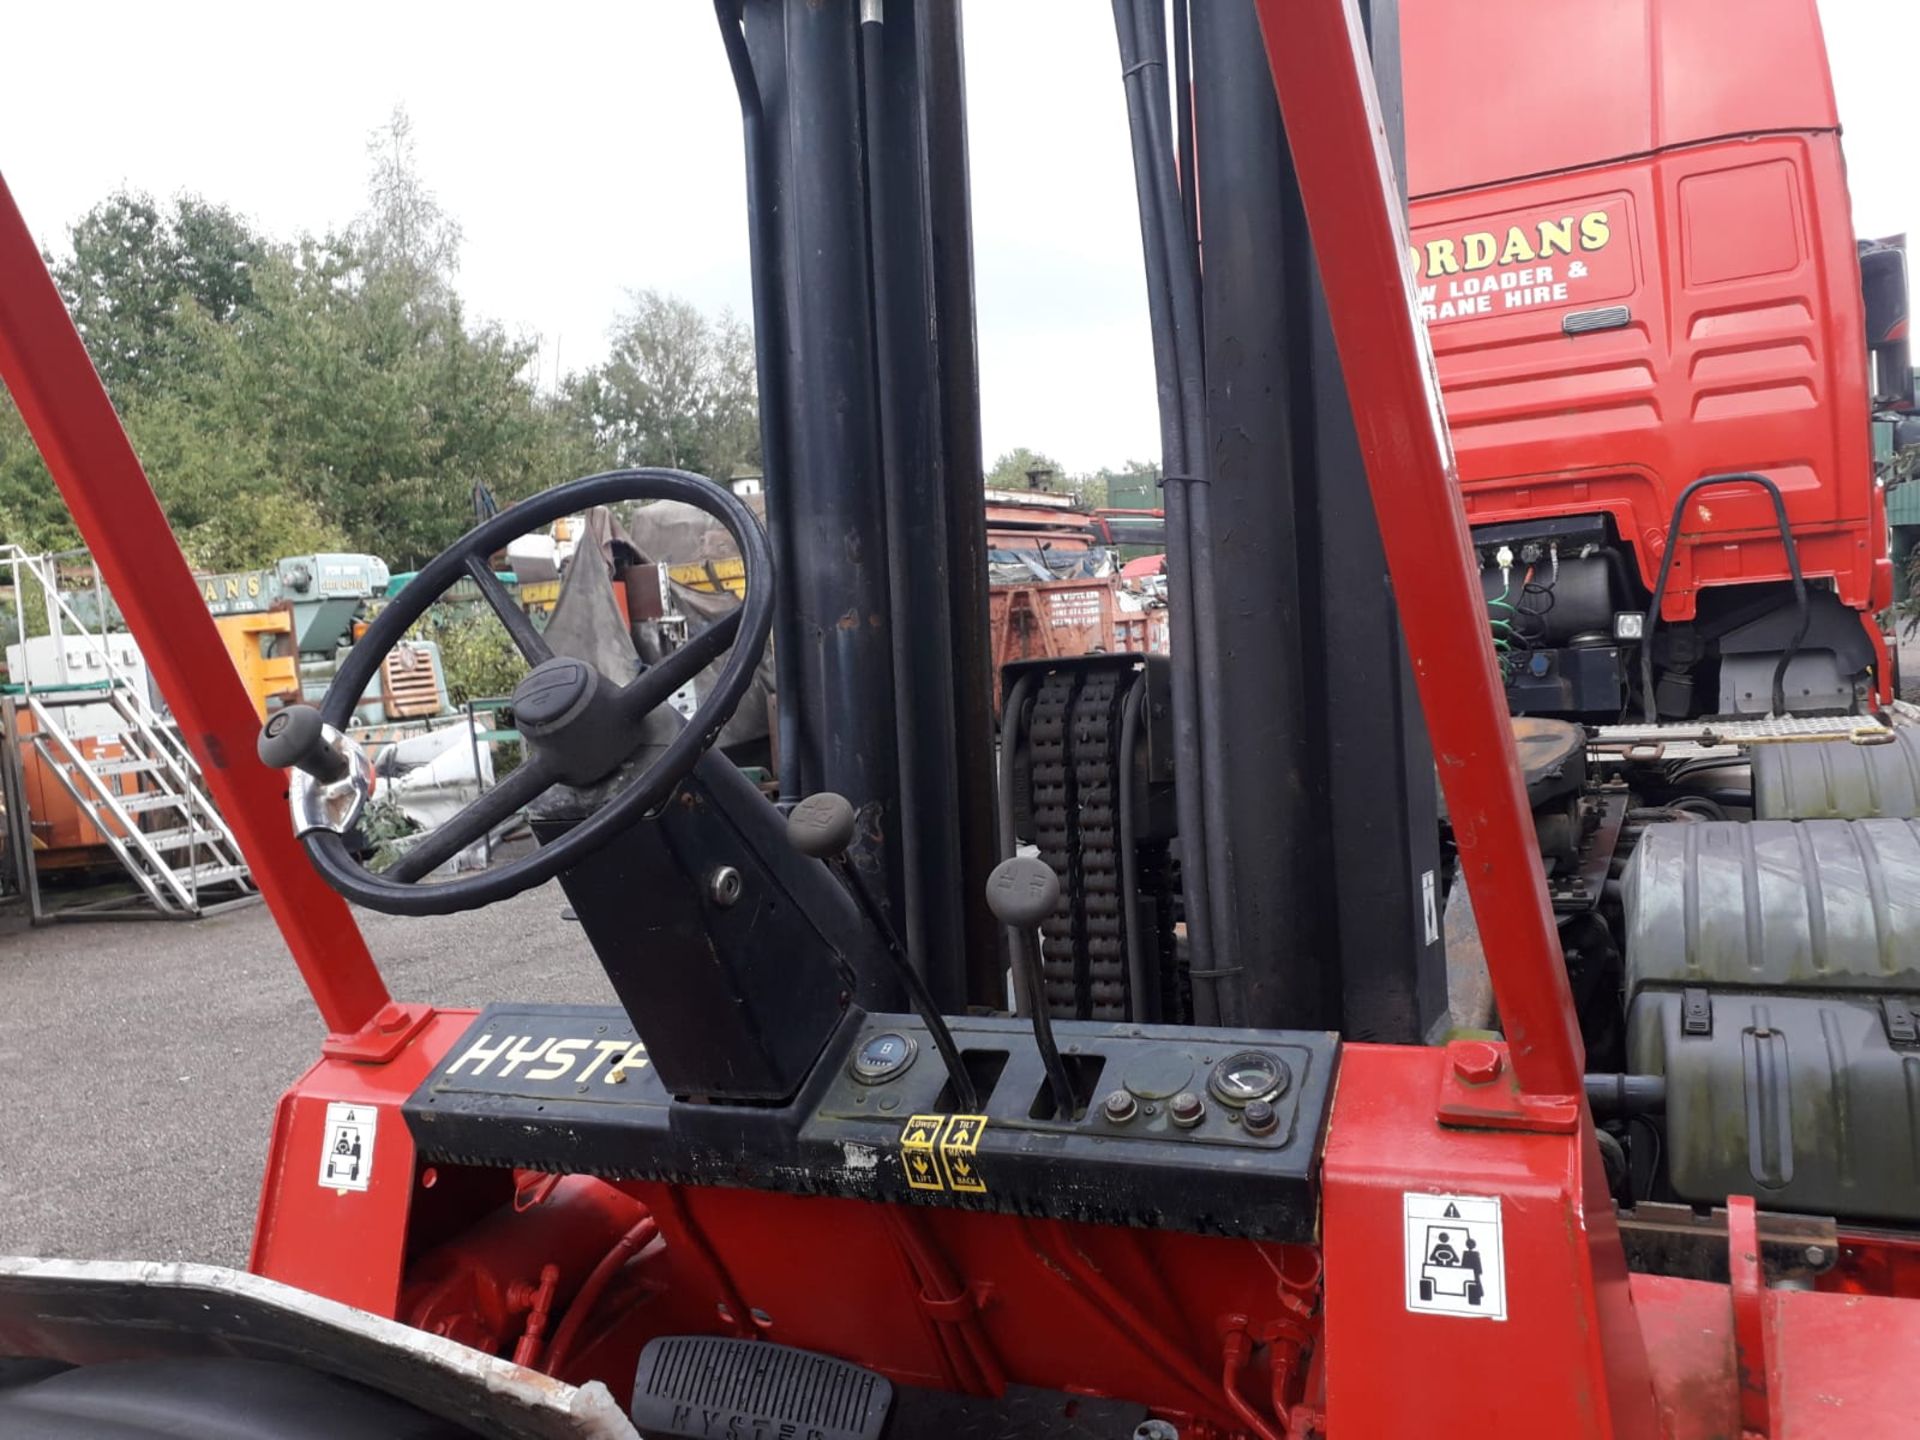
(295, 739)
(1022, 892)
(822, 826)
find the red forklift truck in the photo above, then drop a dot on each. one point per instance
(1117, 1099)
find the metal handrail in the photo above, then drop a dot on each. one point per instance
(106, 797)
(160, 737)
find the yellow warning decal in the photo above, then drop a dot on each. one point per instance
(919, 1139)
(957, 1147)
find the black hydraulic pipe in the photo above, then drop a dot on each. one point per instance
(1182, 647)
(1219, 987)
(1226, 974)
(1183, 99)
(1648, 709)
(1617, 1096)
(822, 826)
(963, 672)
(1012, 724)
(910, 713)
(922, 999)
(770, 361)
(1141, 991)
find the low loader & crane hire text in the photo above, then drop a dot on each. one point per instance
(1508, 265)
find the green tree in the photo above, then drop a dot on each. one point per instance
(329, 393)
(677, 389)
(356, 386)
(32, 514)
(137, 276)
(382, 406)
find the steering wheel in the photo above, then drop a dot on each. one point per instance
(578, 726)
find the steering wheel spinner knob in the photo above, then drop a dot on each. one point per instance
(295, 738)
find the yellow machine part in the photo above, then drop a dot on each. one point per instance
(538, 594)
(249, 639)
(712, 576)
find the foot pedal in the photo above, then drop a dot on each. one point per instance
(700, 1386)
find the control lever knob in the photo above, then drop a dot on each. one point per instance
(1022, 892)
(294, 738)
(821, 826)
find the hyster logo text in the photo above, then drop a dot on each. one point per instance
(503, 1057)
(736, 1425)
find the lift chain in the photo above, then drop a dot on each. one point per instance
(1100, 971)
(1073, 729)
(1053, 815)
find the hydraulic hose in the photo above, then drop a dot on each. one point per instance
(1223, 976)
(1141, 993)
(1237, 1350)
(1189, 174)
(1012, 722)
(1183, 658)
(627, 1246)
(1648, 709)
(770, 368)
(908, 706)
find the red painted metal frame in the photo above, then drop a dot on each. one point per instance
(932, 1296)
(46, 369)
(1567, 1360)
(1321, 69)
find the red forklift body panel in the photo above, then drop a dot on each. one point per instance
(1634, 253)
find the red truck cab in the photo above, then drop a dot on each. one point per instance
(1633, 247)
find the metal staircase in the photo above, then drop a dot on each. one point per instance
(124, 765)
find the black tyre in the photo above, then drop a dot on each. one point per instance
(215, 1398)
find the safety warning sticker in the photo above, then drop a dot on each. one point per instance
(1456, 1264)
(346, 1148)
(919, 1139)
(957, 1146)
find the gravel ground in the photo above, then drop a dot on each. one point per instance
(140, 1061)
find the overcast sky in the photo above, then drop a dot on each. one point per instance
(590, 149)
